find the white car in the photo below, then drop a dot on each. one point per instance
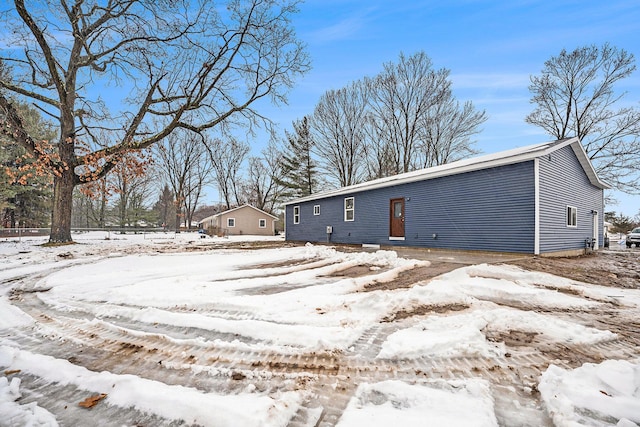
(634, 237)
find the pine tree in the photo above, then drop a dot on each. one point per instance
(165, 208)
(299, 173)
(25, 193)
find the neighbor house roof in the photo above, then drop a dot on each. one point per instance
(502, 158)
(209, 218)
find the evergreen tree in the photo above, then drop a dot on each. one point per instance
(620, 223)
(25, 193)
(165, 208)
(299, 173)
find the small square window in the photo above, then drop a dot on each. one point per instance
(316, 210)
(572, 216)
(349, 209)
(231, 222)
(296, 214)
(262, 223)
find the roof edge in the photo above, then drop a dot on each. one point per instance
(275, 218)
(586, 164)
(511, 156)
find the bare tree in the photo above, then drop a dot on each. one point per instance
(402, 96)
(262, 185)
(227, 157)
(445, 135)
(100, 213)
(183, 158)
(380, 155)
(195, 185)
(338, 124)
(178, 64)
(403, 119)
(84, 210)
(132, 189)
(575, 96)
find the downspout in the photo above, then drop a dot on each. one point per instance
(536, 179)
(285, 229)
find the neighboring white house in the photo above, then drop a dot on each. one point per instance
(245, 219)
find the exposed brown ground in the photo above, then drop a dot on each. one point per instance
(614, 268)
(126, 347)
(620, 269)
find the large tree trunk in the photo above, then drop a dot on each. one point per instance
(61, 213)
(256, 46)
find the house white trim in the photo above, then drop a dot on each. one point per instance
(536, 238)
(502, 158)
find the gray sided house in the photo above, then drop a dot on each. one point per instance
(542, 199)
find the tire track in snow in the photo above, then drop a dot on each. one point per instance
(173, 356)
(338, 376)
(68, 412)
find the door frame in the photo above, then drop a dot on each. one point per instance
(394, 233)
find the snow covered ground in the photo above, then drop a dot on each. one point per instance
(175, 329)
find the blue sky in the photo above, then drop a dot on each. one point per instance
(490, 47)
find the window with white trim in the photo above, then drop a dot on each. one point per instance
(349, 209)
(262, 223)
(231, 222)
(296, 214)
(316, 210)
(572, 216)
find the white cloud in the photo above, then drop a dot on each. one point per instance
(345, 28)
(490, 80)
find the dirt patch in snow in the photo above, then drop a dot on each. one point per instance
(619, 269)
(282, 264)
(409, 278)
(424, 309)
(355, 271)
(228, 363)
(613, 268)
(512, 338)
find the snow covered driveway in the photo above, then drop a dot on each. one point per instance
(181, 331)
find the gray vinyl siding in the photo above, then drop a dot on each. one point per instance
(563, 183)
(490, 209)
